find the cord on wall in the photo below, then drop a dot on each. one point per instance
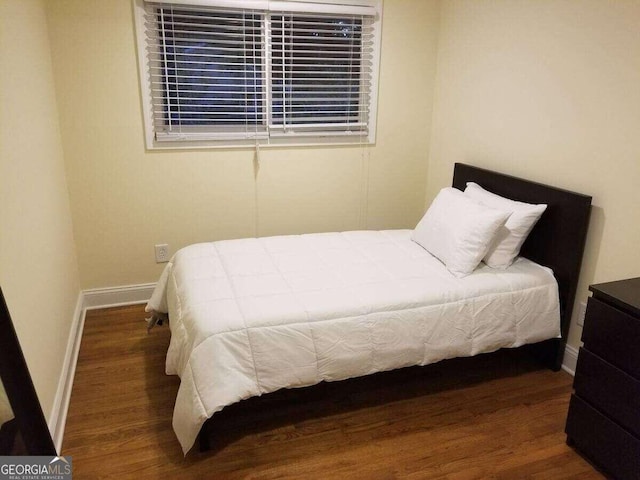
(256, 171)
(364, 202)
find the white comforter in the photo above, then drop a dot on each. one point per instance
(252, 316)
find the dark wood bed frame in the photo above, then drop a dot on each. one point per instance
(557, 241)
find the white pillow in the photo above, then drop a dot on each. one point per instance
(458, 230)
(513, 234)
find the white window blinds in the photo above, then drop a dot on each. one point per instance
(237, 72)
(320, 74)
(206, 70)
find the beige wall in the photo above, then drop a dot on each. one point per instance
(125, 199)
(550, 91)
(38, 267)
(545, 90)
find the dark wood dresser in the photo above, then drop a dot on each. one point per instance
(604, 413)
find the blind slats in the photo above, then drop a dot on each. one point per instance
(223, 22)
(208, 93)
(207, 71)
(345, 36)
(191, 36)
(184, 58)
(241, 23)
(245, 82)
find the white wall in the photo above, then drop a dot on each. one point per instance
(548, 90)
(125, 199)
(38, 266)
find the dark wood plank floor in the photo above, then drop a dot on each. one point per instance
(495, 416)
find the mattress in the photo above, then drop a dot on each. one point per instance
(252, 316)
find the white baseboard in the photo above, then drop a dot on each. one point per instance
(118, 296)
(58, 416)
(87, 300)
(570, 360)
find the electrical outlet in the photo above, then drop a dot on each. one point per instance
(582, 311)
(162, 253)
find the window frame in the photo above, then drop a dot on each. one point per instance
(231, 141)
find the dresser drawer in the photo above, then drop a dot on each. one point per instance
(606, 443)
(608, 389)
(612, 335)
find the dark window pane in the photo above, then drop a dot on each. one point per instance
(212, 67)
(316, 69)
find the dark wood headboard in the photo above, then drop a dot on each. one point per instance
(557, 241)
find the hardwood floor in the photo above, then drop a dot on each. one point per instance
(494, 416)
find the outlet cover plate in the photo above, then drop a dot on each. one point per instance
(162, 253)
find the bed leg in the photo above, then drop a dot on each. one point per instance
(549, 353)
(203, 438)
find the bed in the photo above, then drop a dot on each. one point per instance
(252, 316)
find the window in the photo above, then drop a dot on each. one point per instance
(206, 71)
(317, 79)
(254, 71)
